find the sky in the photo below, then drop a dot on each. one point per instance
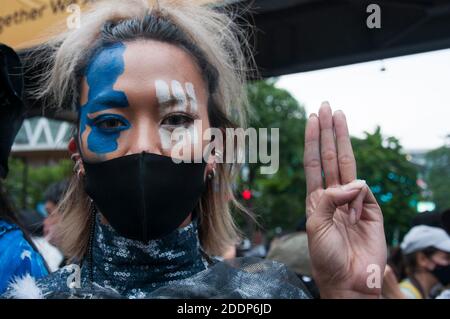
(409, 100)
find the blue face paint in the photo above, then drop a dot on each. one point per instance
(105, 129)
(101, 75)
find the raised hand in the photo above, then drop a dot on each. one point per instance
(344, 222)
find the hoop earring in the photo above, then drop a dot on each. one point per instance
(212, 174)
(77, 169)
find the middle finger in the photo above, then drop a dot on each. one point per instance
(328, 146)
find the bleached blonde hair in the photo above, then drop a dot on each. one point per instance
(220, 47)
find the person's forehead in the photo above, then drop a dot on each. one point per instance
(145, 60)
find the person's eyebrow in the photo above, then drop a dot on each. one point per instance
(173, 101)
(109, 100)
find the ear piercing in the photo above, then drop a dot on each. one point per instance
(78, 167)
(212, 173)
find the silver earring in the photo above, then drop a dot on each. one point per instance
(77, 168)
(212, 174)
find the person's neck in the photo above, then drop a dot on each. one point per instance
(129, 265)
(186, 222)
(426, 281)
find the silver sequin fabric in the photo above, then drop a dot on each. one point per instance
(131, 268)
(170, 267)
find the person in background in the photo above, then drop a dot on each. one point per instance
(52, 196)
(259, 248)
(48, 244)
(433, 219)
(445, 220)
(395, 269)
(292, 250)
(391, 288)
(18, 255)
(229, 253)
(426, 253)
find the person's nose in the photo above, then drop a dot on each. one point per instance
(145, 138)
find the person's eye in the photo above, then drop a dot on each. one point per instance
(177, 120)
(111, 123)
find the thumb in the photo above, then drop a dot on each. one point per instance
(337, 196)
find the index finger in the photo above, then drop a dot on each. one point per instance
(311, 158)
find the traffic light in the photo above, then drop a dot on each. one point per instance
(246, 194)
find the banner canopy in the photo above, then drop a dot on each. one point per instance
(25, 23)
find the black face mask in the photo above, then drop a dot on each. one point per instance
(144, 196)
(442, 273)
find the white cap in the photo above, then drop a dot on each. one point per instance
(421, 237)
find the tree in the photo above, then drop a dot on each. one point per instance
(438, 176)
(279, 199)
(391, 177)
(26, 184)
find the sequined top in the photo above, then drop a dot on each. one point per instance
(130, 268)
(170, 267)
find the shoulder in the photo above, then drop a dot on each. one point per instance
(27, 287)
(409, 290)
(17, 256)
(60, 280)
(444, 294)
(239, 278)
(71, 282)
(6, 228)
(11, 238)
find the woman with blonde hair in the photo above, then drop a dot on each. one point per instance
(143, 215)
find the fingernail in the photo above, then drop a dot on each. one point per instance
(312, 115)
(325, 103)
(356, 184)
(352, 216)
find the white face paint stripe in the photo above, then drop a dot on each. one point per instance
(166, 138)
(191, 94)
(178, 93)
(162, 91)
(193, 132)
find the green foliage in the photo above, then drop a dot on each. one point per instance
(279, 198)
(391, 177)
(438, 176)
(36, 180)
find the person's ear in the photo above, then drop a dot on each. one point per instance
(75, 156)
(72, 146)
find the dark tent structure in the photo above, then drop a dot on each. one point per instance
(303, 35)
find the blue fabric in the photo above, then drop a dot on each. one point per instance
(17, 257)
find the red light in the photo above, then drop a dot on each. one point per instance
(247, 194)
